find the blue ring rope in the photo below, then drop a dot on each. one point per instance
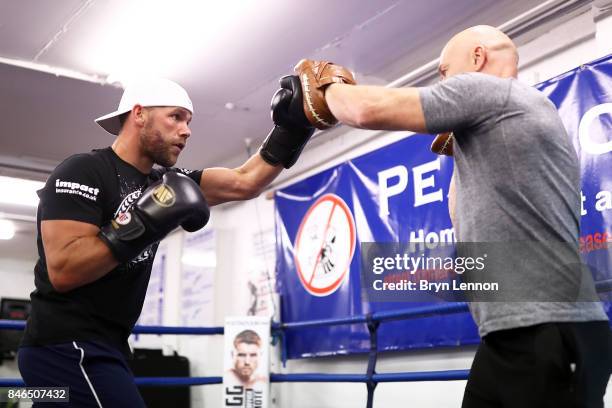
(378, 316)
(449, 375)
(424, 311)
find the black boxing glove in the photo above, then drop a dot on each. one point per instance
(292, 129)
(172, 201)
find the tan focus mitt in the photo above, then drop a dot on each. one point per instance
(315, 76)
(443, 144)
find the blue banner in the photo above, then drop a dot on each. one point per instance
(399, 194)
(583, 97)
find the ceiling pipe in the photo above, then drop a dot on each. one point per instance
(515, 27)
(27, 164)
(56, 71)
(17, 217)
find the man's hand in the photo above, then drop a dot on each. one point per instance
(315, 76)
(175, 200)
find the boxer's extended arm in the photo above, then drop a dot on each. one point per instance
(74, 253)
(281, 148)
(375, 107)
(221, 185)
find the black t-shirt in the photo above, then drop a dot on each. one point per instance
(93, 188)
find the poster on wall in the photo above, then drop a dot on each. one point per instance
(153, 308)
(198, 263)
(261, 281)
(246, 373)
(388, 196)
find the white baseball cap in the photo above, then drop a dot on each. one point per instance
(147, 92)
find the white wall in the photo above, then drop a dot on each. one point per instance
(16, 278)
(16, 281)
(237, 229)
(554, 51)
(246, 221)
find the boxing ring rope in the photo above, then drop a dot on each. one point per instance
(423, 311)
(371, 378)
(416, 312)
(449, 375)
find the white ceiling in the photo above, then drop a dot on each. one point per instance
(232, 55)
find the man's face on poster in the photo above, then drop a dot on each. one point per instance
(246, 359)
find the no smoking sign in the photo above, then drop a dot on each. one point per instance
(324, 245)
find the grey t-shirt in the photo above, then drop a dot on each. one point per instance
(517, 180)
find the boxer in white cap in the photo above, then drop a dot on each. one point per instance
(100, 219)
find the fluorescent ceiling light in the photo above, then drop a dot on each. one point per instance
(19, 191)
(159, 38)
(7, 229)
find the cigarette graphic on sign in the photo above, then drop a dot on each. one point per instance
(324, 245)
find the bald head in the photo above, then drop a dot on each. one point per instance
(479, 49)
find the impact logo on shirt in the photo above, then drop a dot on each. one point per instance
(71, 187)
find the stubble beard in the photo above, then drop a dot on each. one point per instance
(245, 373)
(155, 146)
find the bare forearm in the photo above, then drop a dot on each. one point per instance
(260, 173)
(221, 185)
(374, 107)
(82, 261)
